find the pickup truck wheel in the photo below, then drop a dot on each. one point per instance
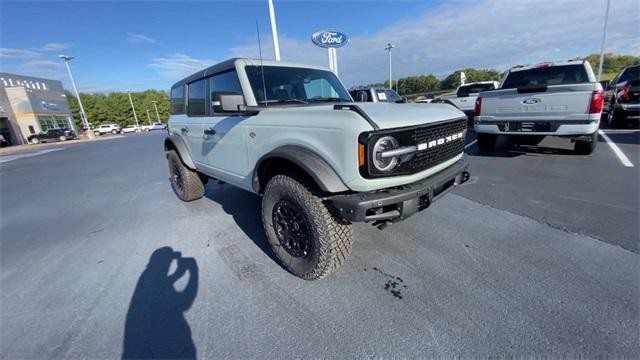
(615, 119)
(487, 142)
(307, 234)
(586, 147)
(185, 182)
(35, 141)
(114, 132)
(62, 138)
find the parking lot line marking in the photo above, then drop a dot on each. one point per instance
(616, 150)
(7, 158)
(471, 143)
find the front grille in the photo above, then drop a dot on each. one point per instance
(430, 157)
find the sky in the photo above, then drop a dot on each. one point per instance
(138, 45)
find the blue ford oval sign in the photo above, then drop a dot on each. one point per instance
(329, 39)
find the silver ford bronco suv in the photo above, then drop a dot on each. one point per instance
(293, 134)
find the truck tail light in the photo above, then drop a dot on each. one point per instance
(625, 92)
(361, 155)
(597, 99)
(478, 108)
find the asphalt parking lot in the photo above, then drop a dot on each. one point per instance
(536, 256)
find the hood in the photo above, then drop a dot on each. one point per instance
(392, 115)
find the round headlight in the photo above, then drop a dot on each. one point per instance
(383, 144)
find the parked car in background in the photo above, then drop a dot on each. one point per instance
(623, 97)
(466, 94)
(107, 128)
(131, 128)
(550, 99)
(373, 94)
(154, 126)
(52, 135)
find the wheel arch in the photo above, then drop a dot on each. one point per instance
(301, 159)
(175, 142)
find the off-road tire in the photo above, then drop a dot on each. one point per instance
(487, 142)
(185, 182)
(35, 141)
(586, 147)
(616, 119)
(330, 235)
(114, 132)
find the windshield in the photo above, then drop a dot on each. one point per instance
(546, 76)
(465, 90)
(387, 95)
(295, 85)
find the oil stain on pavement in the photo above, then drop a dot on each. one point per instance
(394, 284)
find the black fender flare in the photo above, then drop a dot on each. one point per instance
(316, 167)
(176, 142)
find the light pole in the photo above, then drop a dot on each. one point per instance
(155, 106)
(388, 48)
(148, 117)
(83, 115)
(274, 31)
(604, 35)
(134, 110)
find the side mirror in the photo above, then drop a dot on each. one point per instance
(227, 103)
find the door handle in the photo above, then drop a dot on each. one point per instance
(210, 131)
(184, 129)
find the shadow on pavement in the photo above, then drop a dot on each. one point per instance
(156, 326)
(245, 208)
(508, 149)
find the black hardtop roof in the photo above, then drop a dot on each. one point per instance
(214, 69)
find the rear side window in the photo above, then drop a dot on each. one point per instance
(465, 90)
(546, 76)
(197, 98)
(177, 100)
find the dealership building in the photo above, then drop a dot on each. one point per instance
(29, 105)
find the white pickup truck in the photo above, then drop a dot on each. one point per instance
(466, 94)
(549, 99)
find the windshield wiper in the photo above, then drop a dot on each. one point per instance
(328, 99)
(283, 101)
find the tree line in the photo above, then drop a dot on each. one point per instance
(115, 108)
(612, 65)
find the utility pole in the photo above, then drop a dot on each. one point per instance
(388, 48)
(83, 115)
(148, 117)
(156, 106)
(134, 110)
(274, 31)
(604, 36)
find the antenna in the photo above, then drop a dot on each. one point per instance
(264, 85)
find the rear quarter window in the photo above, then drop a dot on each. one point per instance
(177, 100)
(546, 76)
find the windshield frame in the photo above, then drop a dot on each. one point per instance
(338, 92)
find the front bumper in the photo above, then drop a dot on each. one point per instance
(395, 204)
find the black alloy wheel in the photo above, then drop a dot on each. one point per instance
(291, 228)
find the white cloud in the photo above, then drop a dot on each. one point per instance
(139, 38)
(179, 65)
(42, 65)
(482, 34)
(17, 53)
(55, 46)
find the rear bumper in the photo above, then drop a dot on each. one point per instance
(537, 127)
(631, 108)
(395, 204)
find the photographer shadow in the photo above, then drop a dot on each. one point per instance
(155, 326)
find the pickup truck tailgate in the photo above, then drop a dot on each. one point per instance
(555, 102)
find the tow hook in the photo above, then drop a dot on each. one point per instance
(465, 177)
